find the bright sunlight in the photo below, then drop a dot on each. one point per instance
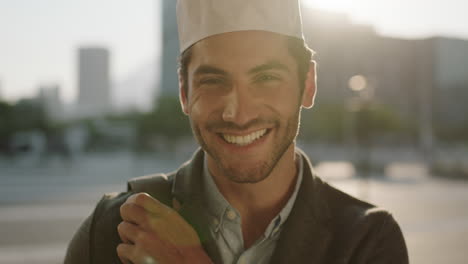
(330, 5)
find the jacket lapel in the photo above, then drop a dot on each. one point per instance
(306, 233)
(187, 189)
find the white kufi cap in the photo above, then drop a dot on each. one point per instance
(198, 19)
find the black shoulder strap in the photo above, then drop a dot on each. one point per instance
(98, 238)
(157, 185)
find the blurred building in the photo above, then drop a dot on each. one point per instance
(170, 50)
(94, 93)
(345, 49)
(424, 81)
(449, 76)
(49, 98)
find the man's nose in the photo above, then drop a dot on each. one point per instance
(240, 107)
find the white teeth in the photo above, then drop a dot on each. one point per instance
(244, 140)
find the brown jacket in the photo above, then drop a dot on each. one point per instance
(325, 224)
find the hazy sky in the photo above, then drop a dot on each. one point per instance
(39, 38)
(405, 18)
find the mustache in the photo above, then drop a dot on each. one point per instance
(223, 125)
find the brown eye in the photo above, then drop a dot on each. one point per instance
(211, 81)
(266, 78)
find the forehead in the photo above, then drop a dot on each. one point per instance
(241, 49)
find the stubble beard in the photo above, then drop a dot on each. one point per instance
(261, 171)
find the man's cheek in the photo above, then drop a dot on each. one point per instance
(196, 105)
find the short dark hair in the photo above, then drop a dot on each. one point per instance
(296, 47)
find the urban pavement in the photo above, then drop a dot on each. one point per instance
(42, 205)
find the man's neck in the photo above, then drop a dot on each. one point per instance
(260, 202)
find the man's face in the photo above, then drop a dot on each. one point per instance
(243, 101)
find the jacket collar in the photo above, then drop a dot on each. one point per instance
(187, 184)
(306, 231)
(187, 189)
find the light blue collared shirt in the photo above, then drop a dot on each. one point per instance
(226, 230)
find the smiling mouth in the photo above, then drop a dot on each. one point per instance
(244, 140)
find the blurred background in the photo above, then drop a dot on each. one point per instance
(88, 99)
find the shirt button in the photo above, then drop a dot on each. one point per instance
(231, 215)
(275, 230)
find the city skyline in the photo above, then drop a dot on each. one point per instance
(39, 40)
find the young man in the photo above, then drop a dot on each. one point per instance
(249, 195)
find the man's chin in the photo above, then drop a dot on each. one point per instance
(241, 173)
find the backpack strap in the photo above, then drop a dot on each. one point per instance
(158, 186)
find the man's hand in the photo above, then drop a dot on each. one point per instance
(154, 233)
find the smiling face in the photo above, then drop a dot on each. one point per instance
(244, 100)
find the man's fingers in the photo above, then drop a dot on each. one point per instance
(137, 235)
(145, 244)
(127, 232)
(130, 254)
(125, 253)
(149, 203)
(133, 213)
(140, 237)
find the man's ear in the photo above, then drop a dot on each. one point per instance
(182, 94)
(310, 89)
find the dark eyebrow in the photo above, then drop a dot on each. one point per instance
(270, 65)
(208, 69)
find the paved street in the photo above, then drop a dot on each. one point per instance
(41, 208)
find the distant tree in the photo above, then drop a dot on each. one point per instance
(26, 115)
(6, 125)
(452, 133)
(167, 122)
(382, 119)
(29, 114)
(324, 122)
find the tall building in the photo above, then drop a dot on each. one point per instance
(170, 50)
(449, 78)
(94, 93)
(49, 97)
(425, 81)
